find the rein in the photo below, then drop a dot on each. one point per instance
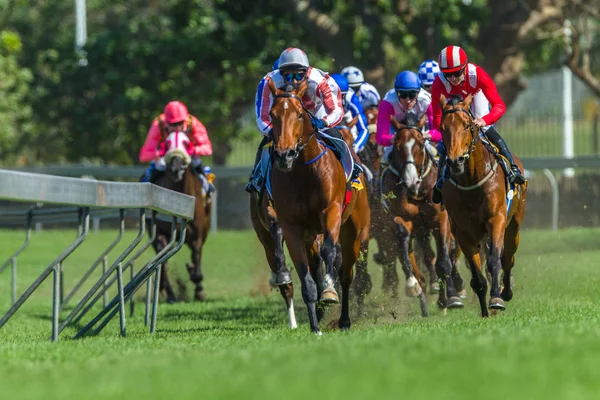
(421, 168)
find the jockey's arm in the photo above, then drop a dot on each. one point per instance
(488, 87)
(362, 136)
(436, 135)
(263, 101)
(149, 151)
(202, 144)
(332, 101)
(383, 136)
(437, 89)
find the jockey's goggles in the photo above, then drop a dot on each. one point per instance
(426, 87)
(407, 94)
(454, 74)
(295, 76)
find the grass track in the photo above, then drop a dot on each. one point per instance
(237, 344)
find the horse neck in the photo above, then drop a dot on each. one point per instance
(312, 149)
(477, 167)
(191, 183)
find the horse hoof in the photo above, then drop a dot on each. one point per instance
(496, 303)
(434, 288)
(330, 296)
(454, 302)
(344, 325)
(317, 332)
(413, 289)
(463, 294)
(282, 278)
(506, 294)
(200, 296)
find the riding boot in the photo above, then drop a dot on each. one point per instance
(437, 188)
(250, 188)
(357, 167)
(514, 173)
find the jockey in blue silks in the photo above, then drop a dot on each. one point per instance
(352, 108)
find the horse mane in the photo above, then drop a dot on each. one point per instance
(455, 99)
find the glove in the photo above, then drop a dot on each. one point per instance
(317, 123)
(190, 148)
(160, 164)
(163, 148)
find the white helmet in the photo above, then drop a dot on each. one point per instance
(354, 76)
(294, 58)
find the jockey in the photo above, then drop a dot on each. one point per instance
(428, 70)
(406, 96)
(176, 118)
(322, 99)
(353, 108)
(368, 95)
(459, 77)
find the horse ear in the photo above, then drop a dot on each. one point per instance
(422, 121)
(397, 125)
(443, 101)
(468, 101)
(302, 86)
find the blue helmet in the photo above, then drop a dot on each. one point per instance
(428, 70)
(275, 65)
(341, 81)
(407, 80)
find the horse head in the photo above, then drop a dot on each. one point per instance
(292, 127)
(177, 157)
(458, 131)
(409, 155)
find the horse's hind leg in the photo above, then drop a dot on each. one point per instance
(281, 273)
(448, 297)
(511, 243)
(496, 227)
(459, 284)
(409, 266)
(478, 281)
(424, 241)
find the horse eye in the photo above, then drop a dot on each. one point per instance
(301, 117)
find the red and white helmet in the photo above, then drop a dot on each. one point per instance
(452, 59)
(175, 112)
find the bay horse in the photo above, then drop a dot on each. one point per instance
(310, 199)
(482, 210)
(180, 177)
(407, 188)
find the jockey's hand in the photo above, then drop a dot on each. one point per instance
(479, 122)
(190, 148)
(163, 148)
(427, 136)
(317, 123)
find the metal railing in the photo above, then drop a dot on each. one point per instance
(85, 195)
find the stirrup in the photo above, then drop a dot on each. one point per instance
(516, 176)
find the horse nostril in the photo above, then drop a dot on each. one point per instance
(461, 159)
(291, 153)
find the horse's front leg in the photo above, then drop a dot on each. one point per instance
(296, 247)
(331, 252)
(429, 259)
(448, 297)
(495, 229)
(282, 275)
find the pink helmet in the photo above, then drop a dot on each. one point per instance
(452, 59)
(175, 112)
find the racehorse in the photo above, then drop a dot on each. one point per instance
(180, 177)
(310, 198)
(484, 209)
(407, 186)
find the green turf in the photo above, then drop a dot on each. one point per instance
(237, 344)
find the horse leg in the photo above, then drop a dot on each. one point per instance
(159, 244)
(495, 228)
(429, 261)
(388, 261)
(478, 281)
(195, 269)
(315, 268)
(511, 243)
(362, 283)
(331, 252)
(413, 288)
(296, 247)
(448, 297)
(459, 284)
(281, 273)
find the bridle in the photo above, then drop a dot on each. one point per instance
(300, 144)
(423, 169)
(471, 127)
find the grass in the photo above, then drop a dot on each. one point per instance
(237, 344)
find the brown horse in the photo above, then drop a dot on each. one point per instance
(475, 196)
(309, 194)
(180, 177)
(407, 188)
